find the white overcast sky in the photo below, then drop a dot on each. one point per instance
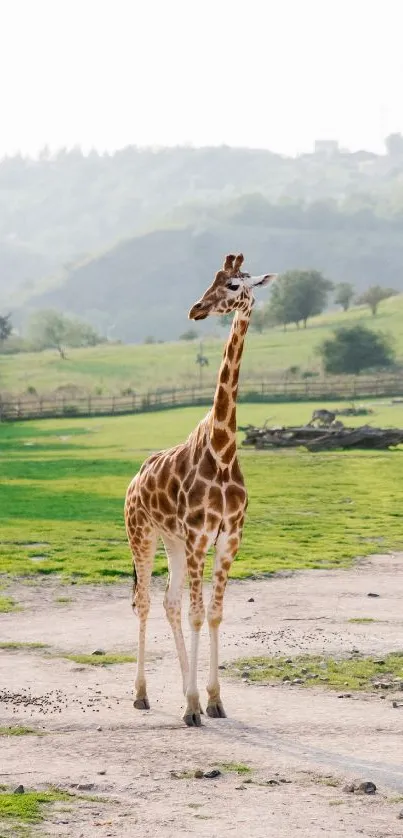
(274, 74)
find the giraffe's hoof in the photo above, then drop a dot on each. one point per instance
(141, 703)
(192, 719)
(216, 710)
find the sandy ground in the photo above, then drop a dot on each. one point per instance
(312, 739)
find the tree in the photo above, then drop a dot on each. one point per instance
(344, 295)
(260, 319)
(190, 334)
(225, 320)
(201, 361)
(48, 329)
(5, 327)
(394, 145)
(355, 348)
(374, 295)
(298, 295)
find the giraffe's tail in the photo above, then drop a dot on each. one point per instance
(134, 587)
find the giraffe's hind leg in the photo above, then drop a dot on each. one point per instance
(176, 554)
(143, 542)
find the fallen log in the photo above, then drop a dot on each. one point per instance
(322, 439)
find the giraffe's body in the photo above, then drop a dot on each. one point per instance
(193, 496)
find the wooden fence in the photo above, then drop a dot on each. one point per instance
(332, 387)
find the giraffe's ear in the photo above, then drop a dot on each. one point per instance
(238, 262)
(229, 262)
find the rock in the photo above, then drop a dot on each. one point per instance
(251, 599)
(102, 772)
(286, 679)
(400, 815)
(288, 660)
(85, 786)
(272, 783)
(379, 661)
(297, 681)
(372, 594)
(345, 695)
(240, 788)
(211, 775)
(19, 790)
(222, 666)
(199, 774)
(367, 787)
(98, 652)
(99, 728)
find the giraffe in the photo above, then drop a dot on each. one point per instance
(194, 496)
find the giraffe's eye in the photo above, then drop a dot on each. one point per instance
(233, 286)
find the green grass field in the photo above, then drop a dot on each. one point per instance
(62, 487)
(114, 368)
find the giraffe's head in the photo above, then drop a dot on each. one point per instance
(232, 290)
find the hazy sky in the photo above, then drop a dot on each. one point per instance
(273, 74)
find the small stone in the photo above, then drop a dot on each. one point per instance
(400, 815)
(98, 652)
(240, 788)
(19, 790)
(349, 788)
(286, 679)
(379, 661)
(99, 728)
(85, 786)
(288, 660)
(372, 594)
(102, 772)
(222, 666)
(199, 774)
(211, 775)
(297, 681)
(367, 787)
(272, 783)
(251, 599)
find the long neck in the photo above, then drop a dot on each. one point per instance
(223, 415)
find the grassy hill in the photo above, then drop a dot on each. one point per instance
(143, 367)
(145, 285)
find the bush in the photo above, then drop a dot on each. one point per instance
(356, 348)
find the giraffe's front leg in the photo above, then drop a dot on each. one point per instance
(195, 563)
(226, 548)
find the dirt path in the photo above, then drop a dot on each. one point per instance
(310, 738)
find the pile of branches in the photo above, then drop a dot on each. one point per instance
(322, 438)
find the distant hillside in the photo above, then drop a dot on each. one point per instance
(20, 269)
(67, 206)
(112, 369)
(145, 285)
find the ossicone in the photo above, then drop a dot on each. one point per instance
(229, 262)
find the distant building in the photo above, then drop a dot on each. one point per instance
(326, 148)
